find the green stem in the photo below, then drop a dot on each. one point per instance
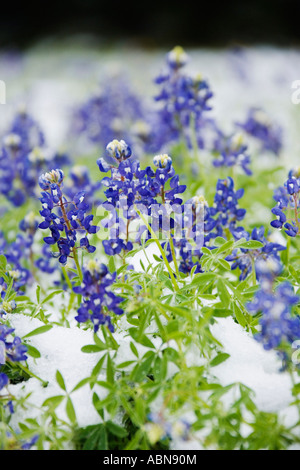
(74, 248)
(153, 234)
(296, 212)
(288, 246)
(77, 265)
(195, 146)
(27, 371)
(174, 256)
(64, 271)
(253, 272)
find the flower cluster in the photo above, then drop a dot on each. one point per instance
(11, 349)
(130, 190)
(196, 232)
(286, 210)
(115, 112)
(231, 151)
(17, 253)
(6, 306)
(98, 299)
(23, 156)
(258, 125)
(245, 259)
(226, 209)
(159, 429)
(79, 180)
(222, 220)
(184, 100)
(70, 220)
(278, 324)
(197, 224)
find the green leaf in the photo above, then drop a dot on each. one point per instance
(223, 293)
(226, 246)
(33, 352)
(110, 373)
(142, 339)
(98, 367)
(239, 315)
(133, 349)
(9, 289)
(50, 296)
(96, 438)
(219, 241)
(99, 343)
(3, 262)
(140, 372)
(91, 348)
(60, 381)
(249, 244)
(171, 354)
(37, 293)
(70, 410)
(111, 264)
(54, 401)
(38, 331)
(224, 264)
(202, 278)
(116, 430)
(219, 359)
(206, 251)
(125, 364)
(160, 368)
(81, 383)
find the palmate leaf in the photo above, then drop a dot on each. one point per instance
(217, 360)
(92, 438)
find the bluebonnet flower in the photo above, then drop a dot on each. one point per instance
(23, 156)
(27, 445)
(10, 406)
(278, 324)
(78, 180)
(17, 254)
(115, 112)
(196, 232)
(231, 151)
(245, 259)
(286, 210)
(226, 209)
(44, 262)
(183, 99)
(222, 220)
(7, 307)
(158, 428)
(130, 190)
(199, 224)
(29, 224)
(11, 349)
(3, 380)
(258, 125)
(70, 221)
(98, 299)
